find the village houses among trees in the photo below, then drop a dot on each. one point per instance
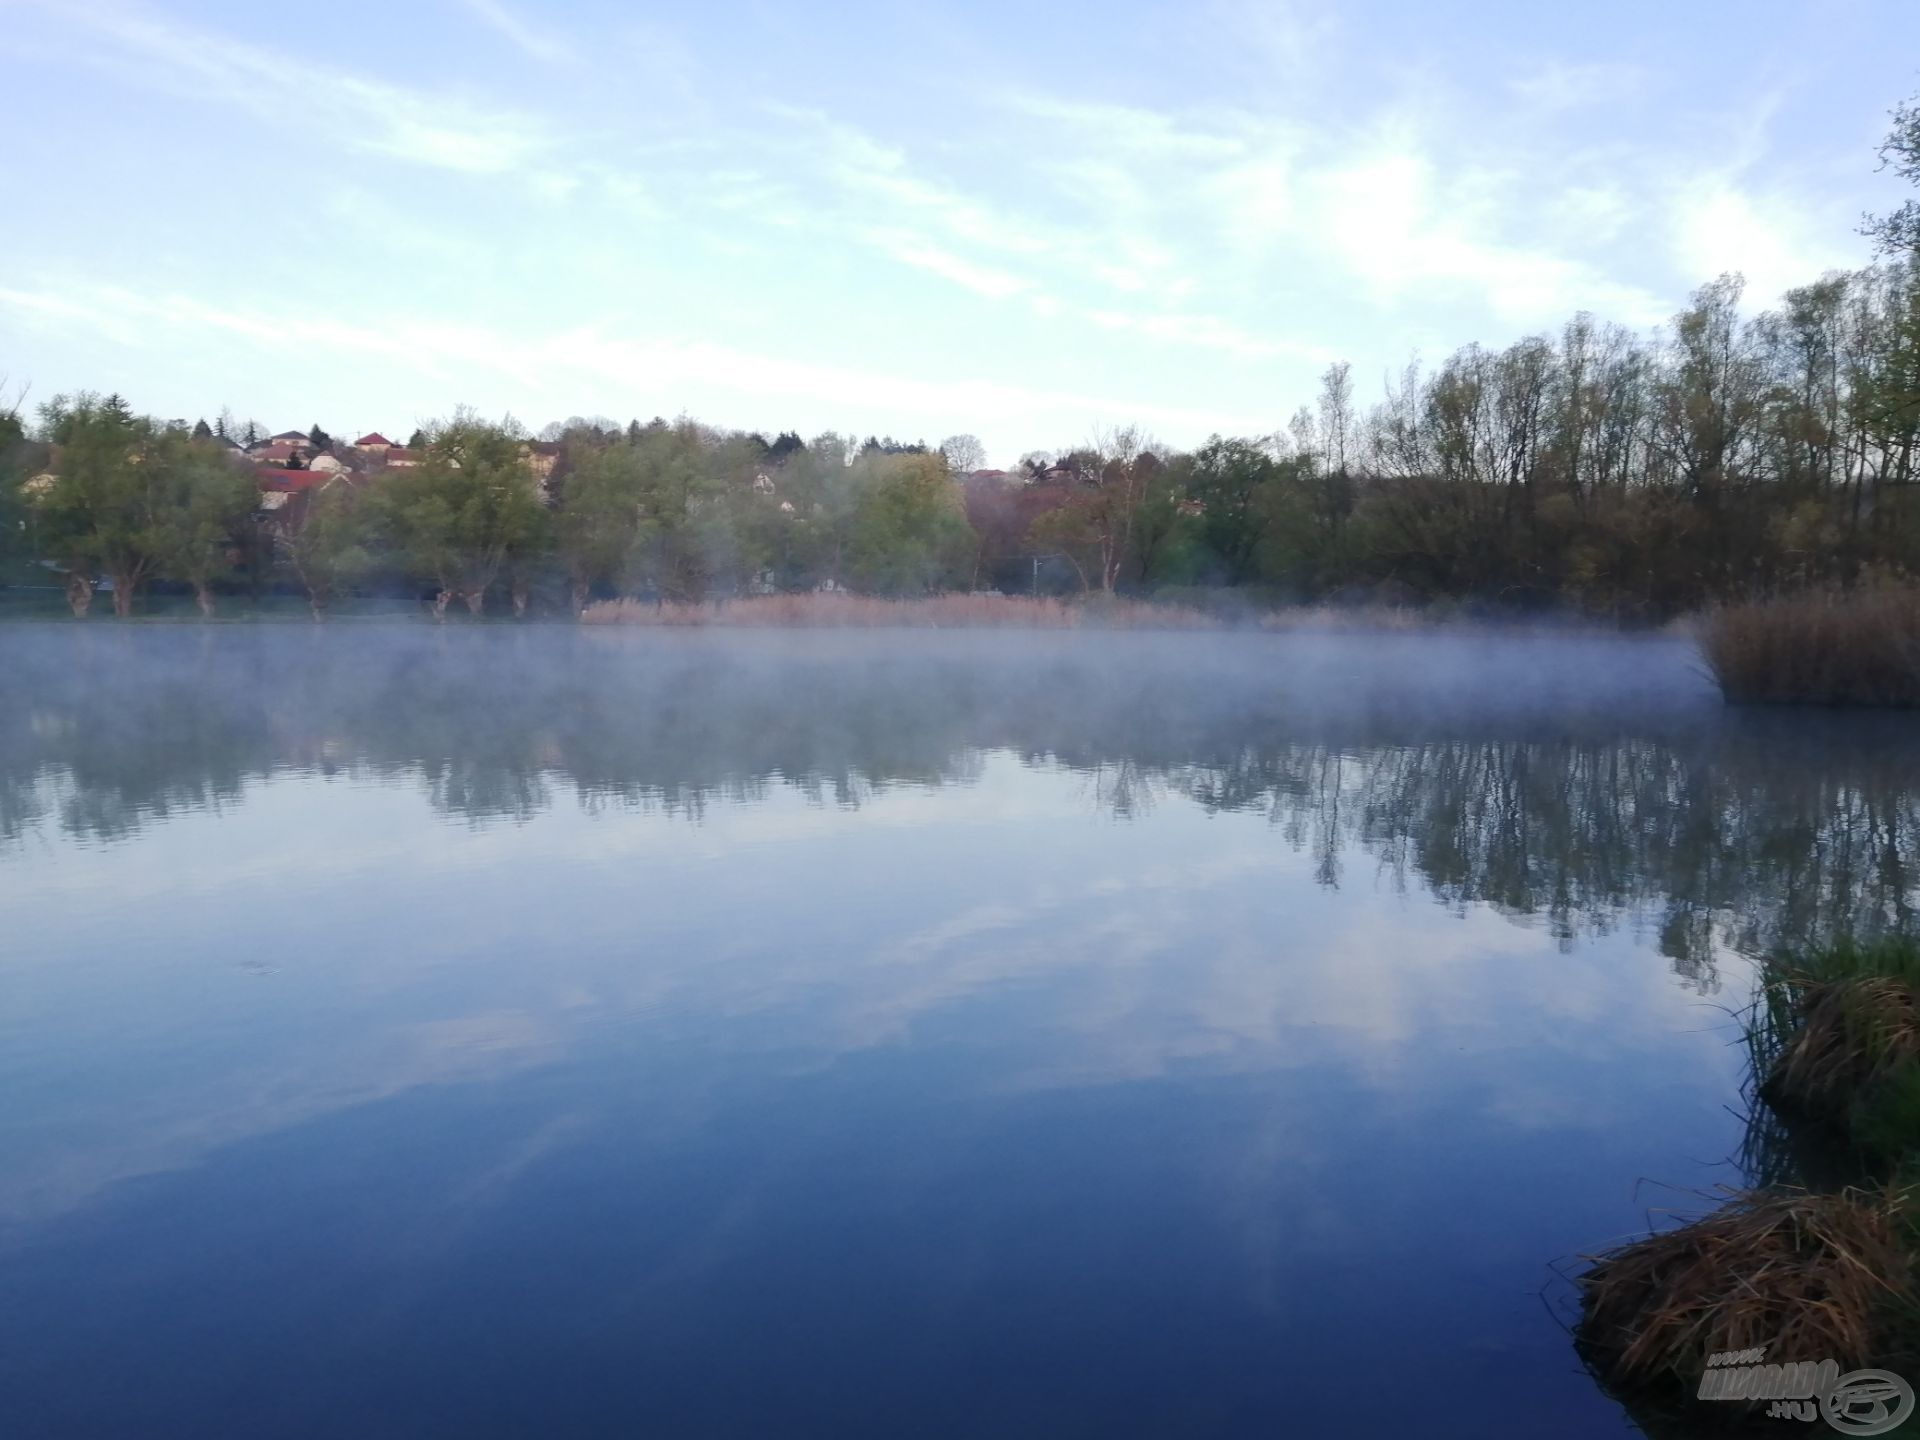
(1595, 469)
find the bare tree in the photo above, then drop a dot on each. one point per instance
(964, 453)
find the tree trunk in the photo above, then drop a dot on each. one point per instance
(203, 595)
(476, 600)
(580, 593)
(520, 597)
(315, 604)
(122, 598)
(79, 594)
(440, 601)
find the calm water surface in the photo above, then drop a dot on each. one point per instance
(504, 1032)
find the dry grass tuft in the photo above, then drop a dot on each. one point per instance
(1858, 648)
(953, 611)
(1809, 1276)
(1846, 1037)
(1835, 1041)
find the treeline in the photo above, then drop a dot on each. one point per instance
(1593, 469)
(679, 511)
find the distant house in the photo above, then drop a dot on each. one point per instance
(401, 458)
(279, 454)
(285, 494)
(286, 481)
(292, 437)
(325, 464)
(374, 443)
(540, 456)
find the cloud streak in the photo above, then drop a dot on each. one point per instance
(441, 130)
(570, 360)
(535, 43)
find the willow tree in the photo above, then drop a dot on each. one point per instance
(329, 550)
(466, 511)
(600, 526)
(205, 505)
(101, 515)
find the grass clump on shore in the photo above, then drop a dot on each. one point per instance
(835, 610)
(1835, 1038)
(1857, 648)
(1812, 1267)
(1807, 1276)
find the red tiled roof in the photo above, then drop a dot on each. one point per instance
(376, 438)
(275, 479)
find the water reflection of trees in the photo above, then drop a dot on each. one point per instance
(1542, 782)
(1767, 833)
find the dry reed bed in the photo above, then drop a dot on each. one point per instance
(870, 613)
(1857, 648)
(955, 611)
(983, 612)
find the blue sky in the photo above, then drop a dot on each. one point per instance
(1026, 222)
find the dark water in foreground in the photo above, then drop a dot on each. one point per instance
(503, 1032)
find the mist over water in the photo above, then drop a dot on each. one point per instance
(476, 1030)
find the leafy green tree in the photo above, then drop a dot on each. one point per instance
(1073, 531)
(202, 430)
(202, 514)
(910, 533)
(103, 515)
(16, 453)
(321, 441)
(1164, 526)
(332, 547)
(1228, 479)
(466, 511)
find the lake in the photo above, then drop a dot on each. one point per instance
(494, 1031)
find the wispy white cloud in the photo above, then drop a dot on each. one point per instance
(1393, 225)
(530, 40)
(1208, 332)
(1719, 226)
(437, 129)
(566, 361)
(1558, 85)
(909, 249)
